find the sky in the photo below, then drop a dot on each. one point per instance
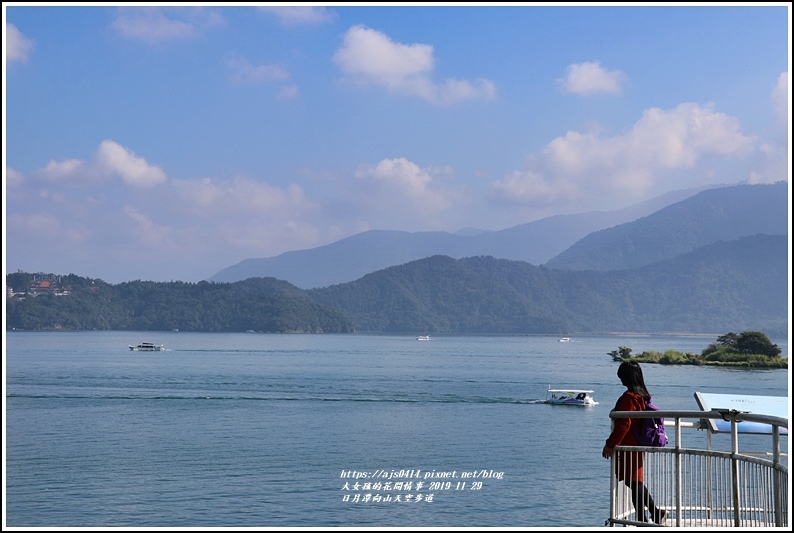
(149, 142)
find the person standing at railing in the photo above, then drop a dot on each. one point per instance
(628, 465)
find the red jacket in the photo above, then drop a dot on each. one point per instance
(628, 465)
(621, 431)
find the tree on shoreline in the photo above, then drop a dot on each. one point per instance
(751, 342)
(751, 349)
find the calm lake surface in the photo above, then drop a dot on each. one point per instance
(256, 430)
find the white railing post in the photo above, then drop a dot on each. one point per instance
(709, 476)
(776, 476)
(613, 493)
(679, 482)
(737, 520)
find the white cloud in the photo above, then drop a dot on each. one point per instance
(371, 57)
(111, 159)
(13, 178)
(147, 233)
(300, 15)
(62, 170)
(399, 172)
(46, 229)
(590, 77)
(527, 188)
(245, 72)
(589, 165)
(40, 223)
(288, 92)
(199, 221)
(275, 236)
(780, 98)
(400, 188)
(679, 137)
(245, 214)
(454, 90)
(17, 45)
(774, 165)
(133, 169)
(372, 54)
(156, 24)
(209, 197)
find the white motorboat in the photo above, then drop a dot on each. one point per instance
(565, 339)
(423, 338)
(581, 397)
(147, 347)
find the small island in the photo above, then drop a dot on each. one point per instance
(751, 349)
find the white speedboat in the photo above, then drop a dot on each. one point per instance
(570, 397)
(565, 339)
(423, 338)
(147, 347)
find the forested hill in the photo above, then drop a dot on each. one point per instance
(719, 214)
(733, 286)
(739, 285)
(258, 304)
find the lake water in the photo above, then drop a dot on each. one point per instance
(254, 430)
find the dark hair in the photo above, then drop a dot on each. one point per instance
(630, 375)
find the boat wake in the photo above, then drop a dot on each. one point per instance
(198, 396)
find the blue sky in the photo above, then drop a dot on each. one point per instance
(162, 143)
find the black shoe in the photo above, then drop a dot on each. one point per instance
(660, 517)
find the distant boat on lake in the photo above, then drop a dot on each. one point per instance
(582, 397)
(147, 347)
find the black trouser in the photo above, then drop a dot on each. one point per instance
(641, 498)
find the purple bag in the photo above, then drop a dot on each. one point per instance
(651, 432)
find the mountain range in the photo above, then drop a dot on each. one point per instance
(724, 286)
(719, 214)
(727, 286)
(657, 229)
(714, 262)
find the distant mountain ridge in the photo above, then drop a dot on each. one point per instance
(350, 258)
(713, 215)
(739, 285)
(724, 286)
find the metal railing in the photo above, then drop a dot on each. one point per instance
(704, 487)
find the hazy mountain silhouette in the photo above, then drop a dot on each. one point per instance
(349, 259)
(721, 287)
(725, 286)
(720, 214)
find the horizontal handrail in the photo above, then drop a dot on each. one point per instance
(738, 416)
